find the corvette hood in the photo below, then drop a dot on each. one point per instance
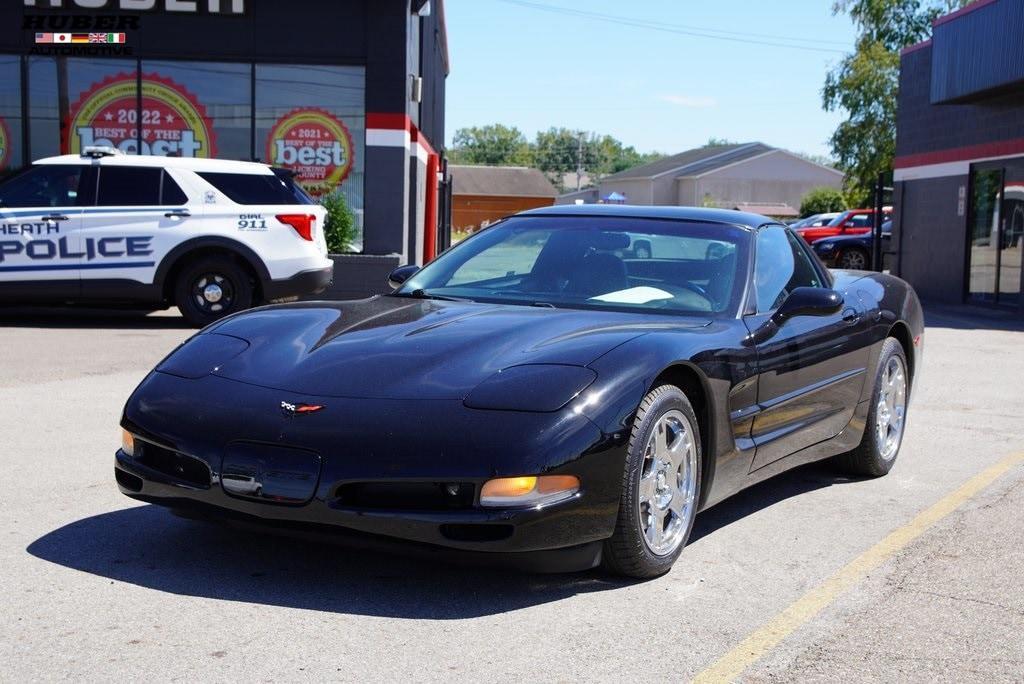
(397, 348)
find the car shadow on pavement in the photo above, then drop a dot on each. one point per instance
(765, 494)
(77, 317)
(964, 317)
(150, 547)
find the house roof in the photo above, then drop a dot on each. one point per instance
(766, 208)
(695, 161)
(500, 181)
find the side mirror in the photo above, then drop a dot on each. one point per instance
(401, 274)
(803, 301)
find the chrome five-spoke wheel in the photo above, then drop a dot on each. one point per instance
(667, 486)
(892, 408)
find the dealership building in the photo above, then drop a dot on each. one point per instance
(350, 95)
(959, 166)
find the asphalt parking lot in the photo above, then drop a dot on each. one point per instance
(809, 576)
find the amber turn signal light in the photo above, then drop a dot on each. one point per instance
(529, 490)
(127, 442)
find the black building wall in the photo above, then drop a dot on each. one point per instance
(924, 128)
(960, 103)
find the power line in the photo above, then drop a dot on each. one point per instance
(731, 36)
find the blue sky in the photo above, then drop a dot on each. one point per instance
(653, 89)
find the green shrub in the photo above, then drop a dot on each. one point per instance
(821, 201)
(340, 228)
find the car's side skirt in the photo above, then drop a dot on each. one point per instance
(846, 440)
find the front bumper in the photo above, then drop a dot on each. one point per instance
(309, 282)
(441, 442)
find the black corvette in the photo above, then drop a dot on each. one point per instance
(539, 392)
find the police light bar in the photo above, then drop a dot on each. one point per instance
(97, 151)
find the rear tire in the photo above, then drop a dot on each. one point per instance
(853, 259)
(660, 487)
(887, 418)
(210, 288)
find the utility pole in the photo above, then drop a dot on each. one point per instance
(579, 161)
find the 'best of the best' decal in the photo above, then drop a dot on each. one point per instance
(174, 123)
(314, 144)
(5, 144)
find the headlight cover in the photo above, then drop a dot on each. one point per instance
(540, 388)
(199, 356)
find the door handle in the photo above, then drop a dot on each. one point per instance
(851, 316)
(178, 213)
(55, 217)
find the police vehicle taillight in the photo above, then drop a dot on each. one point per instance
(302, 223)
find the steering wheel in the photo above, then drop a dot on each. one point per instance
(686, 286)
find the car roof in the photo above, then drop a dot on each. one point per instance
(189, 163)
(707, 215)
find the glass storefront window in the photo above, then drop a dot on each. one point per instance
(74, 103)
(308, 118)
(197, 109)
(312, 119)
(10, 113)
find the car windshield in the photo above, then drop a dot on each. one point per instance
(615, 263)
(838, 220)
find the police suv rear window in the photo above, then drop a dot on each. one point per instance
(248, 188)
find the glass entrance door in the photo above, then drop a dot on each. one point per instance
(986, 197)
(1012, 242)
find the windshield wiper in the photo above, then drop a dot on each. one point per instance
(420, 293)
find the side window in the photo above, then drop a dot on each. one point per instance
(780, 267)
(131, 186)
(49, 185)
(170, 192)
(251, 188)
(860, 220)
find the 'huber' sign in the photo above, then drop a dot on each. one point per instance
(170, 6)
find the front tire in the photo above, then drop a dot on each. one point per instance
(660, 487)
(887, 417)
(210, 288)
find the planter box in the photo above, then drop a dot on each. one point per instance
(357, 276)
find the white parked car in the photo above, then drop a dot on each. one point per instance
(210, 236)
(815, 220)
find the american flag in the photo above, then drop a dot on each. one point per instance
(44, 38)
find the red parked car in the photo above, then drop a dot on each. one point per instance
(850, 222)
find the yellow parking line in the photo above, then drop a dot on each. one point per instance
(750, 650)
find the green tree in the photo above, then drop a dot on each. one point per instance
(822, 200)
(865, 84)
(716, 142)
(558, 151)
(340, 229)
(492, 145)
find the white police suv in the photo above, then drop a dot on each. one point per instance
(210, 236)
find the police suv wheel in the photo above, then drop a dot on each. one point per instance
(211, 288)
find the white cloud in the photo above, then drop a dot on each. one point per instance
(691, 101)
